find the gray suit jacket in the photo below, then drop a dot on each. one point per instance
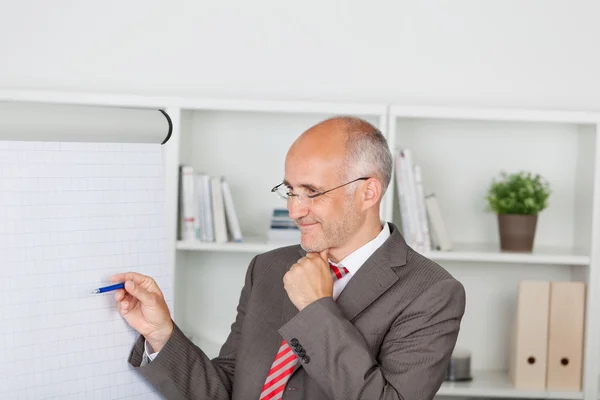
(389, 335)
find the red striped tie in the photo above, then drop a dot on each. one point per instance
(285, 360)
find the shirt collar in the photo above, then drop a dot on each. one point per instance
(357, 258)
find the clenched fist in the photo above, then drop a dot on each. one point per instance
(309, 279)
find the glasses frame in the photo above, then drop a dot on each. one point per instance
(315, 195)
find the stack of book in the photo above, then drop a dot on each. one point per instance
(206, 210)
(283, 230)
(422, 226)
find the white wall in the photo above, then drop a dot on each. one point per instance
(537, 53)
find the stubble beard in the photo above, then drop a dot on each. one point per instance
(334, 233)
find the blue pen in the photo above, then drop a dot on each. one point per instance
(109, 288)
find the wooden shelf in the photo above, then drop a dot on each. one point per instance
(497, 384)
(463, 252)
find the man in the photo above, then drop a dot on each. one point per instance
(380, 322)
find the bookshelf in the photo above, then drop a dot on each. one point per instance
(460, 150)
(452, 143)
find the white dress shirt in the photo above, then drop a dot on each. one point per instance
(352, 262)
(357, 258)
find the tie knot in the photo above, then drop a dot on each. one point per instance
(337, 271)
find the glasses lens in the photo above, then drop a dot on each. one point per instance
(282, 192)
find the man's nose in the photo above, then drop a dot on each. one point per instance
(296, 210)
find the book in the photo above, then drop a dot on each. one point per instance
(186, 203)
(411, 198)
(233, 224)
(283, 229)
(441, 238)
(206, 210)
(218, 210)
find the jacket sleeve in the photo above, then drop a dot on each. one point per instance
(412, 359)
(181, 370)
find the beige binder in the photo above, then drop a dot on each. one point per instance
(527, 367)
(565, 341)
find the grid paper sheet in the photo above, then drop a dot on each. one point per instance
(71, 215)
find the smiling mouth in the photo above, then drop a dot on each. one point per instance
(305, 225)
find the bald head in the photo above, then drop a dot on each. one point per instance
(355, 148)
(325, 141)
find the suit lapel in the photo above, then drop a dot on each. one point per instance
(374, 277)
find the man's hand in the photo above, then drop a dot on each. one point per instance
(309, 280)
(143, 306)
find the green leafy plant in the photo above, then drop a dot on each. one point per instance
(518, 193)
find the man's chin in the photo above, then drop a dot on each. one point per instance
(309, 246)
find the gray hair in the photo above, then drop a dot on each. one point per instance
(367, 152)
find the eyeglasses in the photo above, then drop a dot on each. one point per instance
(305, 199)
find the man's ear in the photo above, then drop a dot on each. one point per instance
(371, 192)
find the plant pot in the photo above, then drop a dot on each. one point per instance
(517, 232)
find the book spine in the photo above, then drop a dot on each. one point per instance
(188, 209)
(423, 220)
(232, 220)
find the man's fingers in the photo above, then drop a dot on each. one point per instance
(119, 294)
(141, 280)
(311, 257)
(140, 293)
(123, 306)
(325, 255)
(122, 295)
(125, 302)
(133, 302)
(130, 276)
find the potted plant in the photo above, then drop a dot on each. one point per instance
(517, 199)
